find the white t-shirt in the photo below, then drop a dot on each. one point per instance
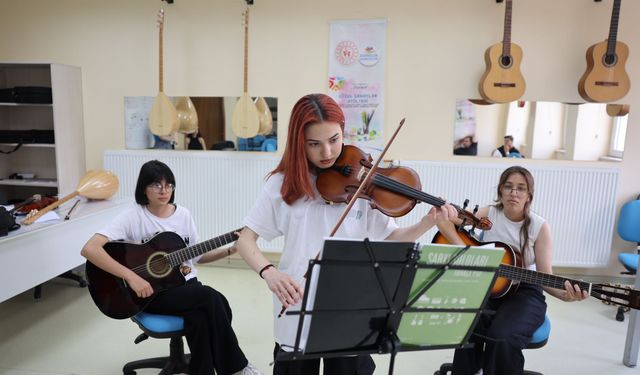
(136, 224)
(507, 231)
(305, 224)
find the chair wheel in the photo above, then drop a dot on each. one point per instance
(131, 372)
(620, 314)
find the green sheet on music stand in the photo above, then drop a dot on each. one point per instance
(455, 289)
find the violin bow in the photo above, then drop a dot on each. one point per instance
(358, 192)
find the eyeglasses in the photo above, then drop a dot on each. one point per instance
(520, 190)
(158, 187)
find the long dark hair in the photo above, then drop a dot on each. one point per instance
(151, 172)
(524, 231)
(310, 109)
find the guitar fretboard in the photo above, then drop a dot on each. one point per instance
(613, 28)
(539, 278)
(178, 257)
(506, 40)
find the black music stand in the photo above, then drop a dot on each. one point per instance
(358, 292)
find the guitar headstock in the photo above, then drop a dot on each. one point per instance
(617, 295)
(245, 17)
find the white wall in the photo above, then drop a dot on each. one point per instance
(435, 56)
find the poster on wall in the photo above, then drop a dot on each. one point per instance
(357, 51)
(136, 122)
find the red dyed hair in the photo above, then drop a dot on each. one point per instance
(310, 109)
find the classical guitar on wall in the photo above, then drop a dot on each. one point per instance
(163, 118)
(157, 261)
(245, 121)
(502, 81)
(511, 273)
(605, 79)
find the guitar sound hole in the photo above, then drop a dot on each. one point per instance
(158, 266)
(609, 60)
(506, 61)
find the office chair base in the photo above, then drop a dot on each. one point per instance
(447, 369)
(176, 363)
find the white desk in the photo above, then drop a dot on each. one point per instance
(39, 252)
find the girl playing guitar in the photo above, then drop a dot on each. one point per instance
(517, 315)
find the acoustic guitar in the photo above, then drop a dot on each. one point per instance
(264, 116)
(510, 274)
(606, 79)
(502, 81)
(163, 118)
(157, 261)
(245, 121)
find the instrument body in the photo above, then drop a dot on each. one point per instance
(264, 115)
(511, 273)
(157, 261)
(394, 191)
(502, 81)
(187, 115)
(605, 79)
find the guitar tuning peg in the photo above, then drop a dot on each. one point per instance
(475, 209)
(465, 204)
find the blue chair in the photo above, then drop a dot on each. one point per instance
(161, 326)
(538, 340)
(629, 230)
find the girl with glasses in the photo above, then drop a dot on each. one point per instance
(207, 314)
(290, 206)
(517, 315)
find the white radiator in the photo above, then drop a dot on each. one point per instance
(578, 203)
(220, 187)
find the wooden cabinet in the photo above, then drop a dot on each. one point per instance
(57, 166)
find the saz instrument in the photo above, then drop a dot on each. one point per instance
(157, 261)
(502, 81)
(510, 273)
(264, 116)
(187, 115)
(96, 184)
(605, 79)
(245, 121)
(163, 118)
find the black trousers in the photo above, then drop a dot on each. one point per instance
(360, 365)
(207, 319)
(500, 338)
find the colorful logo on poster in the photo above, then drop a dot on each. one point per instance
(346, 52)
(336, 83)
(369, 57)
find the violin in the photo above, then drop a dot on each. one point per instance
(394, 191)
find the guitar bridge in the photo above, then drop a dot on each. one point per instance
(606, 83)
(504, 84)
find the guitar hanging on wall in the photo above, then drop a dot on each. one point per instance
(605, 79)
(163, 118)
(245, 121)
(502, 81)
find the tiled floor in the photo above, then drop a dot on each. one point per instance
(64, 333)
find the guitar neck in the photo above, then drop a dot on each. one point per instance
(539, 278)
(246, 51)
(506, 39)
(178, 257)
(613, 28)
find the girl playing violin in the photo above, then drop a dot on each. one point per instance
(290, 206)
(517, 316)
